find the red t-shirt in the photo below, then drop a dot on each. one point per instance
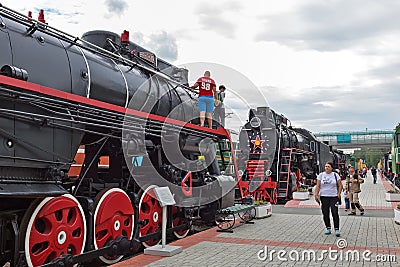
(206, 85)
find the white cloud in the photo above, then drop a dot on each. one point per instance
(343, 55)
(164, 45)
(117, 7)
(332, 25)
(219, 18)
(324, 104)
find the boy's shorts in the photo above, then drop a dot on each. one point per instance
(206, 103)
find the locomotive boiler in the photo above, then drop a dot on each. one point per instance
(132, 116)
(275, 159)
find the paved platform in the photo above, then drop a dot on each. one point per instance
(298, 236)
(372, 196)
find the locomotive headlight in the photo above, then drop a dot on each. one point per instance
(240, 172)
(268, 172)
(255, 122)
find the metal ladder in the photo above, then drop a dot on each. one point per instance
(284, 173)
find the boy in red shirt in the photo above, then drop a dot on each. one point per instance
(207, 97)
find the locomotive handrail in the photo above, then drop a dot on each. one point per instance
(73, 40)
(88, 108)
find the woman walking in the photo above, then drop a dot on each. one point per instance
(328, 193)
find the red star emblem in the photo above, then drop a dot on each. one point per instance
(258, 142)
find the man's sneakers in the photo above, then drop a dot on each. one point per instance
(328, 231)
(337, 232)
(362, 213)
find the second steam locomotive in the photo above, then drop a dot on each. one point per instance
(276, 159)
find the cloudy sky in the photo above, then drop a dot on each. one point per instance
(329, 65)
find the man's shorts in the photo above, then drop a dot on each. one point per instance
(206, 103)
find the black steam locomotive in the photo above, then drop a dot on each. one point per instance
(275, 159)
(387, 165)
(114, 100)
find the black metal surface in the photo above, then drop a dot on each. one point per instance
(5, 47)
(30, 190)
(27, 51)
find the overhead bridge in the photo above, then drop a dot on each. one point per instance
(370, 139)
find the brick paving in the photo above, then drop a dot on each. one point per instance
(296, 235)
(372, 196)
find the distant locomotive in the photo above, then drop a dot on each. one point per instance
(387, 165)
(340, 162)
(391, 160)
(116, 101)
(396, 155)
(276, 159)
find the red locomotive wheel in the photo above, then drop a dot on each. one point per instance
(150, 211)
(53, 226)
(178, 219)
(113, 217)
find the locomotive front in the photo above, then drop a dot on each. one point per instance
(276, 159)
(258, 143)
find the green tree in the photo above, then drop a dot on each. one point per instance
(371, 156)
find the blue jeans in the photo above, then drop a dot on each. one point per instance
(347, 203)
